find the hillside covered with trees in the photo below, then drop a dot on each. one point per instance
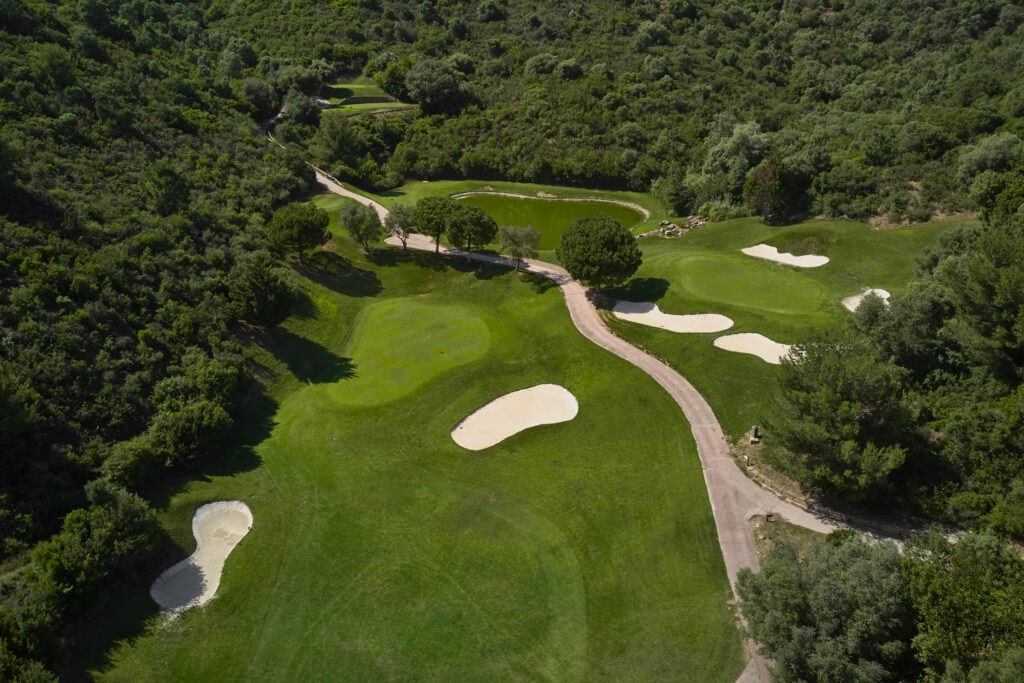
(137, 189)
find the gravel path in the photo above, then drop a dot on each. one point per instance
(734, 497)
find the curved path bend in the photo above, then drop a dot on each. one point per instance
(734, 497)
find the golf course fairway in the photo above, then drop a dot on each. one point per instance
(574, 551)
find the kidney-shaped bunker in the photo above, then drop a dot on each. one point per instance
(512, 413)
(218, 527)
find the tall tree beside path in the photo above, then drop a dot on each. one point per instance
(519, 242)
(362, 223)
(296, 228)
(401, 222)
(469, 225)
(599, 251)
(432, 216)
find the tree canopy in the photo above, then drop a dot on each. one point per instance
(361, 223)
(298, 227)
(598, 250)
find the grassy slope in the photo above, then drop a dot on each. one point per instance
(381, 549)
(704, 272)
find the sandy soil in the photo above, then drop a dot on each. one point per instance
(552, 198)
(754, 344)
(218, 527)
(772, 254)
(647, 313)
(512, 413)
(853, 302)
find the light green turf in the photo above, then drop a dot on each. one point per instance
(359, 87)
(400, 344)
(413, 191)
(368, 108)
(549, 217)
(380, 549)
(705, 272)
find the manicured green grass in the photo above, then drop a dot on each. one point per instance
(412, 192)
(381, 549)
(359, 87)
(368, 107)
(705, 272)
(549, 217)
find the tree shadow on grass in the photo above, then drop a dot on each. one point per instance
(307, 360)
(303, 306)
(339, 274)
(641, 289)
(393, 256)
(539, 283)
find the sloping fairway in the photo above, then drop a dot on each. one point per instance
(551, 218)
(382, 550)
(399, 344)
(705, 272)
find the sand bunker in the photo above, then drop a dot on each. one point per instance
(647, 313)
(853, 302)
(772, 254)
(754, 344)
(218, 527)
(512, 413)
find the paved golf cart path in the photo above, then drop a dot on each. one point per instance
(734, 497)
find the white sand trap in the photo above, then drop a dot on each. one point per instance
(647, 313)
(755, 344)
(218, 527)
(512, 413)
(772, 254)
(853, 302)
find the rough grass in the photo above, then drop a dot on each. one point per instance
(380, 549)
(704, 272)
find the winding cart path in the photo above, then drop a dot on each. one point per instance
(734, 497)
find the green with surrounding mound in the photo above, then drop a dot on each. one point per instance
(705, 272)
(380, 548)
(551, 218)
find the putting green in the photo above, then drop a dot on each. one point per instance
(400, 344)
(551, 218)
(742, 281)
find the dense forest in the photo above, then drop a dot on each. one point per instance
(136, 183)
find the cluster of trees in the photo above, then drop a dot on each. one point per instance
(921, 401)
(842, 108)
(463, 224)
(134, 190)
(846, 610)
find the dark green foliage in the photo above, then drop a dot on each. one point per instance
(166, 188)
(469, 225)
(432, 216)
(598, 251)
(845, 413)
(842, 613)
(436, 86)
(361, 223)
(261, 290)
(297, 228)
(967, 596)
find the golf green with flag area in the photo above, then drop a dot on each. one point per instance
(380, 549)
(705, 271)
